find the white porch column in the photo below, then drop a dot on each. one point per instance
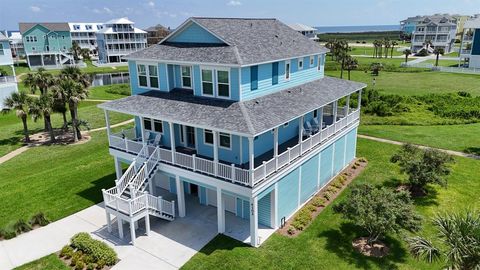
(220, 211)
(120, 227)
(359, 99)
(118, 167)
(347, 106)
(107, 123)
(180, 196)
(275, 146)
(142, 129)
(41, 60)
(147, 224)
(109, 222)
(335, 104)
(132, 232)
(320, 116)
(251, 159)
(274, 206)
(172, 140)
(300, 129)
(254, 221)
(215, 152)
(13, 71)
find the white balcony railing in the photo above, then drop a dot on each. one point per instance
(127, 142)
(8, 79)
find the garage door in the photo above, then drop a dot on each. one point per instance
(229, 200)
(162, 180)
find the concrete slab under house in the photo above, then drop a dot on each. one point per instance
(236, 127)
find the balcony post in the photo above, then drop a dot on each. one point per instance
(359, 99)
(335, 105)
(251, 161)
(180, 196)
(172, 140)
(347, 106)
(107, 122)
(220, 211)
(300, 129)
(275, 146)
(142, 130)
(320, 120)
(215, 152)
(254, 221)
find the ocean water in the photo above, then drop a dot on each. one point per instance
(357, 28)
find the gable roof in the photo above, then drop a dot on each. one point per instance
(247, 42)
(473, 23)
(56, 26)
(301, 27)
(2, 36)
(123, 20)
(250, 117)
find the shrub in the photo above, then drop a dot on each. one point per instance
(87, 258)
(76, 257)
(21, 226)
(66, 250)
(39, 219)
(327, 195)
(318, 202)
(311, 208)
(337, 183)
(332, 189)
(91, 266)
(79, 265)
(362, 159)
(9, 234)
(97, 249)
(302, 219)
(291, 230)
(100, 264)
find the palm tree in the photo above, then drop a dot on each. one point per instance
(375, 48)
(407, 52)
(459, 241)
(76, 51)
(331, 44)
(386, 42)
(20, 102)
(43, 107)
(85, 53)
(73, 92)
(350, 64)
(394, 43)
(40, 80)
(76, 74)
(380, 49)
(437, 53)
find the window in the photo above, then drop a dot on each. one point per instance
(224, 140)
(1, 49)
(88, 27)
(254, 78)
(182, 136)
(287, 71)
(300, 63)
(285, 125)
(157, 126)
(63, 37)
(186, 77)
(207, 82)
(315, 113)
(274, 73)
(33, 48)
(320, 62)
(208, 136)
(153, 74)
(99, 27)
(76, 27)
(147, 123)
(142, 75)
(223, 85)
(312, 61)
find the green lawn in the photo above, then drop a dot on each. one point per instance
(109, 92)
(367, 50)
(463, 138)
(326, 244)
(50, 262)
(443, 63)
(56, 180)
(417, 83)
(22, 68)
(11, 130)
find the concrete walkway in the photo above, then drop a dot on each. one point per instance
(450, 152)
(22, 149)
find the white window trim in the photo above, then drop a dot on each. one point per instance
(230, 139)
(205, 137)
(312, 61)
(191, 77)
(217, 83)
(182, 134)
(287, 63)
(300, 60)
(201, 81)
(319, 64)
(152, 124)
(147, 71)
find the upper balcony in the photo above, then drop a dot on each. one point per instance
(245, 143)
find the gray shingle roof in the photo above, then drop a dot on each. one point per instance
(249, 41)
(251, 117)
(2, 36)
(56, 26)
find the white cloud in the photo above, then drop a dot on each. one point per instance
(35, 8)
(107, 10)
(96, 10)
(234, 3)
(151, 3)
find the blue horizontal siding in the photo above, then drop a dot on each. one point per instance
(326, 165)
(351, 145)
(476, 43)
(339, 155)
(288, 194)
(264, 210)
(309, 178)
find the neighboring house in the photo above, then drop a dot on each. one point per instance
(305, 30)
(408, 26)
(16, 44)
(234, 114)
(8, 83)
(439, 31)
(118, 38)
(156, 33)
(470, 46)
(46, 44)
(85, 35)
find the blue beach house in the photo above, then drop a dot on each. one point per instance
(235, 120)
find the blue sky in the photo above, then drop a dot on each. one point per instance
(172, 12)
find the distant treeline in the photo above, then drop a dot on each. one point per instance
(362, 36)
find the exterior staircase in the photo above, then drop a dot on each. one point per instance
(129, 196)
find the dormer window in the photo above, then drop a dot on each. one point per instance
(187, 77)
(300, 63)
(76, 27)
(287, 71)
(312, 61)
(223, 84)
(147, 76)
(88, 27)
(207, 82)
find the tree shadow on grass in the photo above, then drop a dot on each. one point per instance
(222, 242)
(94, 193)
(429, 199)
(472, 150)
(11, 141)
(339, 241)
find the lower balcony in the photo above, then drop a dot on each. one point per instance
(265, 165)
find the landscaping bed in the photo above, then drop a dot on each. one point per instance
(302, 219)
(21, 226)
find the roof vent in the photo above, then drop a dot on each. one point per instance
(251, 24)
(256, 102)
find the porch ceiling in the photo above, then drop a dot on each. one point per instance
(248, 118)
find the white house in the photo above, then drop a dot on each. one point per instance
(8, 83)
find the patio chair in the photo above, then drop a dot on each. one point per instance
(310, 128)
(315, 126)
(157, 139)
(307, 131)
(146, 136)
